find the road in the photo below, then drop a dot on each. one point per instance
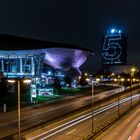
(32, 117)
(127, 128)
(81, 126)
(136, 134)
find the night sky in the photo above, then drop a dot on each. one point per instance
(78, 22)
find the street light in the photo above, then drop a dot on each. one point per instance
(79, 77)
(112, 74)
(122, 80)
(132, 74)
(86, 74)
(24, 81)
(118, 81)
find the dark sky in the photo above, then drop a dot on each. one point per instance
(79, 22)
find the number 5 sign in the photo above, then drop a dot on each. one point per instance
(112, 48)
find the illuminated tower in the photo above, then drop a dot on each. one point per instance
(114, 49)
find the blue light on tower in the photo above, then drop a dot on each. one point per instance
(112, 31)
(115, 31)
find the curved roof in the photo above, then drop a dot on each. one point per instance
(57, 55)
(10, 42)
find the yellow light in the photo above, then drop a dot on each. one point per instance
(128, 79)
(87, 79)
(97, 79)
(115, 80)
(27, 81)
(11, 81)
(112, 74)
(86, 74)
(79, 77)
(101, 76)
(122, 80)
(133, 70)
(134, 80)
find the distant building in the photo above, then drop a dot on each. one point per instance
(114, 49)
(122, 69)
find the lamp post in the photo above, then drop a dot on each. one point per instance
(92, 130)
(92, 102)
(18, 109)
(139, 85)
(18, 81)
(138, 80)
(118, 97)
(131, 74)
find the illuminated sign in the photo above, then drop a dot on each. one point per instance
(114, 49)
(45, 92)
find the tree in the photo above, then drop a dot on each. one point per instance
(83, 81)
(3, 88)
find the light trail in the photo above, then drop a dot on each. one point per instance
(80, 119)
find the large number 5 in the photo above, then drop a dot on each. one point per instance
(111, 48)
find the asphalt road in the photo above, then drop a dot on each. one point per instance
(81, 126)
(31, 117)
(127, 128)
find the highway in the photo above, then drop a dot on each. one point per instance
(34, 116)
(136, 134)
(81, 126)
(128, 128)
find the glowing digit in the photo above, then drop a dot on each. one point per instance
(111, 48)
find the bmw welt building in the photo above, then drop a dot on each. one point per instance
(24, 57)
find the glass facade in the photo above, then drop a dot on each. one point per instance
(22, 65)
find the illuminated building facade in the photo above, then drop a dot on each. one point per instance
(22, 57)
